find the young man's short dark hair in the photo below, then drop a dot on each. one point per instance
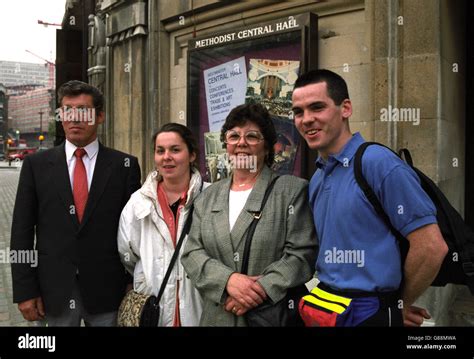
(336, 85)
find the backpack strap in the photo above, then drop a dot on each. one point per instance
(406, 154)
(373, 199)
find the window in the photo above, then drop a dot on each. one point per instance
(257, 63)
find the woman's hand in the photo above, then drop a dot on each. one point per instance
(245, 290)
(231, 305)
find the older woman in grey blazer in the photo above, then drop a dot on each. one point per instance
(283, 248)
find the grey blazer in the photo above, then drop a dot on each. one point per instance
(283, 247)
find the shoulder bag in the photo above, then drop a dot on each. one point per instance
(141, 310)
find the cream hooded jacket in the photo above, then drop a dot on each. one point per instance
(146, 248)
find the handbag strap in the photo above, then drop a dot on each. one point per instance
(253, 225)
(185, 231)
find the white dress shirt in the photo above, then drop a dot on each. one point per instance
(88, 159)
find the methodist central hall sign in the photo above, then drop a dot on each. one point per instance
(291, 23)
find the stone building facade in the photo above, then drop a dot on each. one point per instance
(394, 54)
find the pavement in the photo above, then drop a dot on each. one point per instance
(9, 313)
(5, 165)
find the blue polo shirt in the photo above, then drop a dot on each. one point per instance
(357, 250)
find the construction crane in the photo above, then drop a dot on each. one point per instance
(46, 24)
(51, 66)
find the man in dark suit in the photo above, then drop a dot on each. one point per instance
(71, 197)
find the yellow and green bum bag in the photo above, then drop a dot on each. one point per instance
(323, 309)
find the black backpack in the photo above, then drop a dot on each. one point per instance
(458, 265)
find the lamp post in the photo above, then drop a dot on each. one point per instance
(9, 144)
(41, 121)
(40, 138)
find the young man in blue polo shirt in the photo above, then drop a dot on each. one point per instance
(358, 255)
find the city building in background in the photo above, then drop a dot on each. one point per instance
(14, 73)
(30, 97)
(31, 113)
(3, 118)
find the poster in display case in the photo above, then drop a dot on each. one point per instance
(257, 63)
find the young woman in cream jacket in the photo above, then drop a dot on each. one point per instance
(152, 221)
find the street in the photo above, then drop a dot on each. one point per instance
(9, 314)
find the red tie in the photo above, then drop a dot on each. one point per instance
(80, 190)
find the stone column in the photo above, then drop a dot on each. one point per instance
(126, 34)
(419, 75)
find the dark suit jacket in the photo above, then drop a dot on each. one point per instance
(44, 206)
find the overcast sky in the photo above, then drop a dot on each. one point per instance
(20, 31)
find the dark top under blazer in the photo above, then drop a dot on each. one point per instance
(44, 206)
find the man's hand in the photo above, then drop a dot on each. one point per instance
(245, 290)
(423, 261)
(32, 309)
(414, 316)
